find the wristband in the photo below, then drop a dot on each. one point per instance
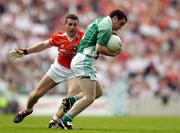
(25, 52)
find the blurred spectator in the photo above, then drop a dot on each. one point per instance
(8, 101)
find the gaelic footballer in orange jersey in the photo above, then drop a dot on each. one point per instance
(66, 43)
(67, 47)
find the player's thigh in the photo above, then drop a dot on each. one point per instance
(73, 87)
(88, 87)
(99, 89)
(45, 84)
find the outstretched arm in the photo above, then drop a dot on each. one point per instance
(18, 53)
(39, 47)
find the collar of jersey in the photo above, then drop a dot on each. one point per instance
(69, 38)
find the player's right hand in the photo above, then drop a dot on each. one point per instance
(16, 53)
(116, 53)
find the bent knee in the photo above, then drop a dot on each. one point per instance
(99, 94)
(73, 92)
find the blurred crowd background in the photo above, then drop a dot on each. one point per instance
(149, 63)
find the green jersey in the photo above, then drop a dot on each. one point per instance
(99, 31)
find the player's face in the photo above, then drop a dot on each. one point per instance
(117, 24)
(71, 27)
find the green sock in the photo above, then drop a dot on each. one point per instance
(73, 99)
(67, 117)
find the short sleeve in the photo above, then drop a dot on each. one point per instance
(57, 39)
(104, 32)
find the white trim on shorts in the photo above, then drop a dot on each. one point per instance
(59, 73)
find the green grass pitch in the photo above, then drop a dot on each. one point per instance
(127, 124)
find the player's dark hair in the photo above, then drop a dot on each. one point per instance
(120, 14)
(71, 16)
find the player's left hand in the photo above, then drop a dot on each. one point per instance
(16, 53)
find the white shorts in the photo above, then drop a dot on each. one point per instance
(59, 73)
(83, 66)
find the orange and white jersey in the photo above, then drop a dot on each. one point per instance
(67, 47)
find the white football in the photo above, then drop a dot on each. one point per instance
(114, 44)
